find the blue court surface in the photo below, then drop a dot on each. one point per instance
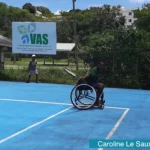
(41, 117)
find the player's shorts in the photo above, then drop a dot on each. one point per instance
(33, 72)
(96, 84)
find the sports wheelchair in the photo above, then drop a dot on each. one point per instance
(83, 95)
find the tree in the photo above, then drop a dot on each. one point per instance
(64, 32)
(76, 10)
(43, 10)
(29, 7)
(143, 17)
(3, 5)
(10, 14)
(3, 14)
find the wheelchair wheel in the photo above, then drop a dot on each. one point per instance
(83, 96)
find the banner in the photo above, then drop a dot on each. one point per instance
(34, 38)
(119, 144)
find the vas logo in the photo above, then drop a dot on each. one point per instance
(25, 39)
(29, 37)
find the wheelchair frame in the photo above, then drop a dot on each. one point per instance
(81, 91)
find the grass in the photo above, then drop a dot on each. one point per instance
(55, 74)
(24, 62)
(18, 71)
(52, 75)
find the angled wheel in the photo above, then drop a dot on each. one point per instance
(83, 96)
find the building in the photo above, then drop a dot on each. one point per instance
(38, 13)
(129, 16)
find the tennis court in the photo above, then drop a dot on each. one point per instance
(41, 117)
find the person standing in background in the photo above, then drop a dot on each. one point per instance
(32, 69)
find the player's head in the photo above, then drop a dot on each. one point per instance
(101, 65)
(33, 56)
(97, 61)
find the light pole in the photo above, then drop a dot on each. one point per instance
(75, 35)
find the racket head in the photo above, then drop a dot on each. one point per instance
(75, 77)
(70, 72)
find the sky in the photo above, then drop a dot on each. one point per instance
(65, 5)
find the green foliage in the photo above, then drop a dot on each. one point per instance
(101, 33)
(15, 57)
(8, 14)
(29, 7)
(59, 76)
(64, 32)
(3, 5)
(143, 17)
(43, 10)
(45, 76)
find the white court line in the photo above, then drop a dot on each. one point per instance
(116, 107)
(44, 102)
(116, 126)
(32, 101)
(34, 125)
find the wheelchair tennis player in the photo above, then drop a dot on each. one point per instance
(92, 78)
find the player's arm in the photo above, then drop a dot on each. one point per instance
(86, 76)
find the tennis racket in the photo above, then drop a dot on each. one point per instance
(70, 72)
(75, 77)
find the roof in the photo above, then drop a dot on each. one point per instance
(58, 12)
(63, 47)
(4, 41)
